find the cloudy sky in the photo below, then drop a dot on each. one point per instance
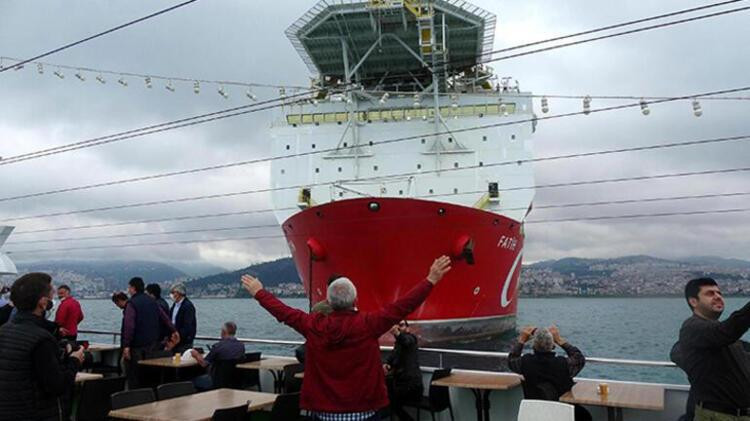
(244, 41)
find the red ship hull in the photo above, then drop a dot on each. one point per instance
(386, 245)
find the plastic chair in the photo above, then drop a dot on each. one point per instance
(174, 390)
(132, 398)
(286, 407)
(438, 398)
(291, 383)
(537, 410)
(95, 402)
(224, 374)
(235, 413)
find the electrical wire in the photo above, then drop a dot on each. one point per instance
(566, 205)
(100, 34)
(265, 190)
(214, 240)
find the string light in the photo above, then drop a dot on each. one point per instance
(169, 86)
(251, 95)
(587, 105)
(40, 68)
(545, 105)
(147, 80)
(644, 107)
(504, 109)
(196, 87)
(59, 74)
(697, 110)
(222, 92)
(122, 82)
(80, 76)
(101, 79)
(417, 101)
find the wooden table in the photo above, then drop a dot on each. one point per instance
(274, 365)
(481, 384)
(82, 377)
(168, 363)
(196, 407)
(621, 395)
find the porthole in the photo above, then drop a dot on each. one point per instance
(512, 137)
(481, 163)
(287, 147)
(317, 170)
(419, 166)
(341, 194)
(455, 165)
(423, 141)
(282, 171)
(450, 140)
(484, 138)
(346, 144)
(371, 143)
(313, 146)
(374, 167)
(455, 191)
(432, 191)
(400, 192)
(339, 169)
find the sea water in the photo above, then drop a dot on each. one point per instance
(624, 328)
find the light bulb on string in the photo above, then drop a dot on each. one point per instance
(587, 105)
(196, 87)
(122, 81)
(545, 105)
(59, 74)
(222, 92)
(40, 68)
(101, 79)
(147, 80)
(504, 109)
(454, 101)
(251, 95)
(417, 101)
(697, 110)
(80, 76)
(169, 86)
(18, 67)
(644, 107)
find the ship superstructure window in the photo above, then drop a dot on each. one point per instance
(339, 169)
(455, 165)
(375, 167)
(287, 147)
(399, 114)
(484, 138)
(317, 170)
(313, 146)
(419, 166)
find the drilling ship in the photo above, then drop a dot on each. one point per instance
(407, 147)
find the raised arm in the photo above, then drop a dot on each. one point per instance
(381, 321)
(709, 334)
(576, 360)
(514, 357)
(296, 319)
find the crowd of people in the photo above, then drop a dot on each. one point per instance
(348, 380)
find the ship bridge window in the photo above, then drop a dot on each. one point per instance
(398, 114)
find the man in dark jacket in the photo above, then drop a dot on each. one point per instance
(402, 367)
(183, 317)
(142, 324)
(35, 375)
(345, 380)
(546, 375)
(713, 356)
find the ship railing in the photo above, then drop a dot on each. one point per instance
(440, 351)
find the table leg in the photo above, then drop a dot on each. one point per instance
(611, 415)
(486, 404)
(478, 402)
(278, 378)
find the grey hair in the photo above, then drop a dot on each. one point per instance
(230, 328)
(542, 340)
(179, 288)
(341, 294)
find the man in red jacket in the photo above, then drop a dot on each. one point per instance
(69, 313)
(344, 376)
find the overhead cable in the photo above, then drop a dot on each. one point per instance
(100, 34)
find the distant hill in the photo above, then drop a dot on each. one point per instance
(271, 274)
(101, 277)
